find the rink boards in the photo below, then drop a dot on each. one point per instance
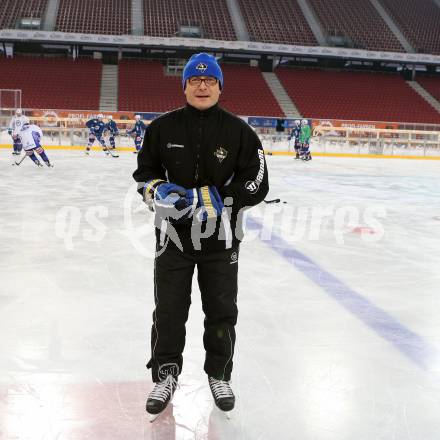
(270, 153)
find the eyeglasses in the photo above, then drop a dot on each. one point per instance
(197, 80)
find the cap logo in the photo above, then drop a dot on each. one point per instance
(201, 67)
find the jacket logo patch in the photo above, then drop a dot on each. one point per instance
(201, 67)
(252, 186)
(170, 145)
(220, 154)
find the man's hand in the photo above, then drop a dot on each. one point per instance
(173, 202)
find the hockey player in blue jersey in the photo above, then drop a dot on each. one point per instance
(112, 128)
(96, 127)
(138, 130)
(295, 134)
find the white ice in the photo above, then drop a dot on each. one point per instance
(76, 302)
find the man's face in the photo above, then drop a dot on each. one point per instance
(201, 95)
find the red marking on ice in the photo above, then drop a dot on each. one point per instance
(103, 411)
(363, 230)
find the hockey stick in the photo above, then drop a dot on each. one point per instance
(20, 161)
(105, 148)
(111, 152)
(111, 148)
(272, 201)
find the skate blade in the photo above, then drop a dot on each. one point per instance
(153, 417)
(227, 414)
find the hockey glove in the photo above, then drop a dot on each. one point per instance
(210, 204)
(171, 202)
(10, 132)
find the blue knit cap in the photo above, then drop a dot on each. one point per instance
(202, 64)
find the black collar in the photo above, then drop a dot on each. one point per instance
(190, 110)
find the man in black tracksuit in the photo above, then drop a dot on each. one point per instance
(199, 167)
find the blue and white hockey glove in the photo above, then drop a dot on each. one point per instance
(210, 204)
(171, 202)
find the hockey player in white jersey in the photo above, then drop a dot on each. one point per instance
(31, 136)
(15, 126)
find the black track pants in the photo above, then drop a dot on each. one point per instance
(217, 278)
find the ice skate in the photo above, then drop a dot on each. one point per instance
(160, 396)
(223, 396)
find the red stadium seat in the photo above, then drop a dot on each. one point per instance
(280, 21)
(247, 93)
(356, 96)
(94, 16)
(53, 83)
(419, 20)
(359, 21)
(12, 10)
(163, 18)
(143, 86)
(431, 84)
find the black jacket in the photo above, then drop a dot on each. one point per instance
(194, 148)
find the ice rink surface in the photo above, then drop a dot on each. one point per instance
(338, 336)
